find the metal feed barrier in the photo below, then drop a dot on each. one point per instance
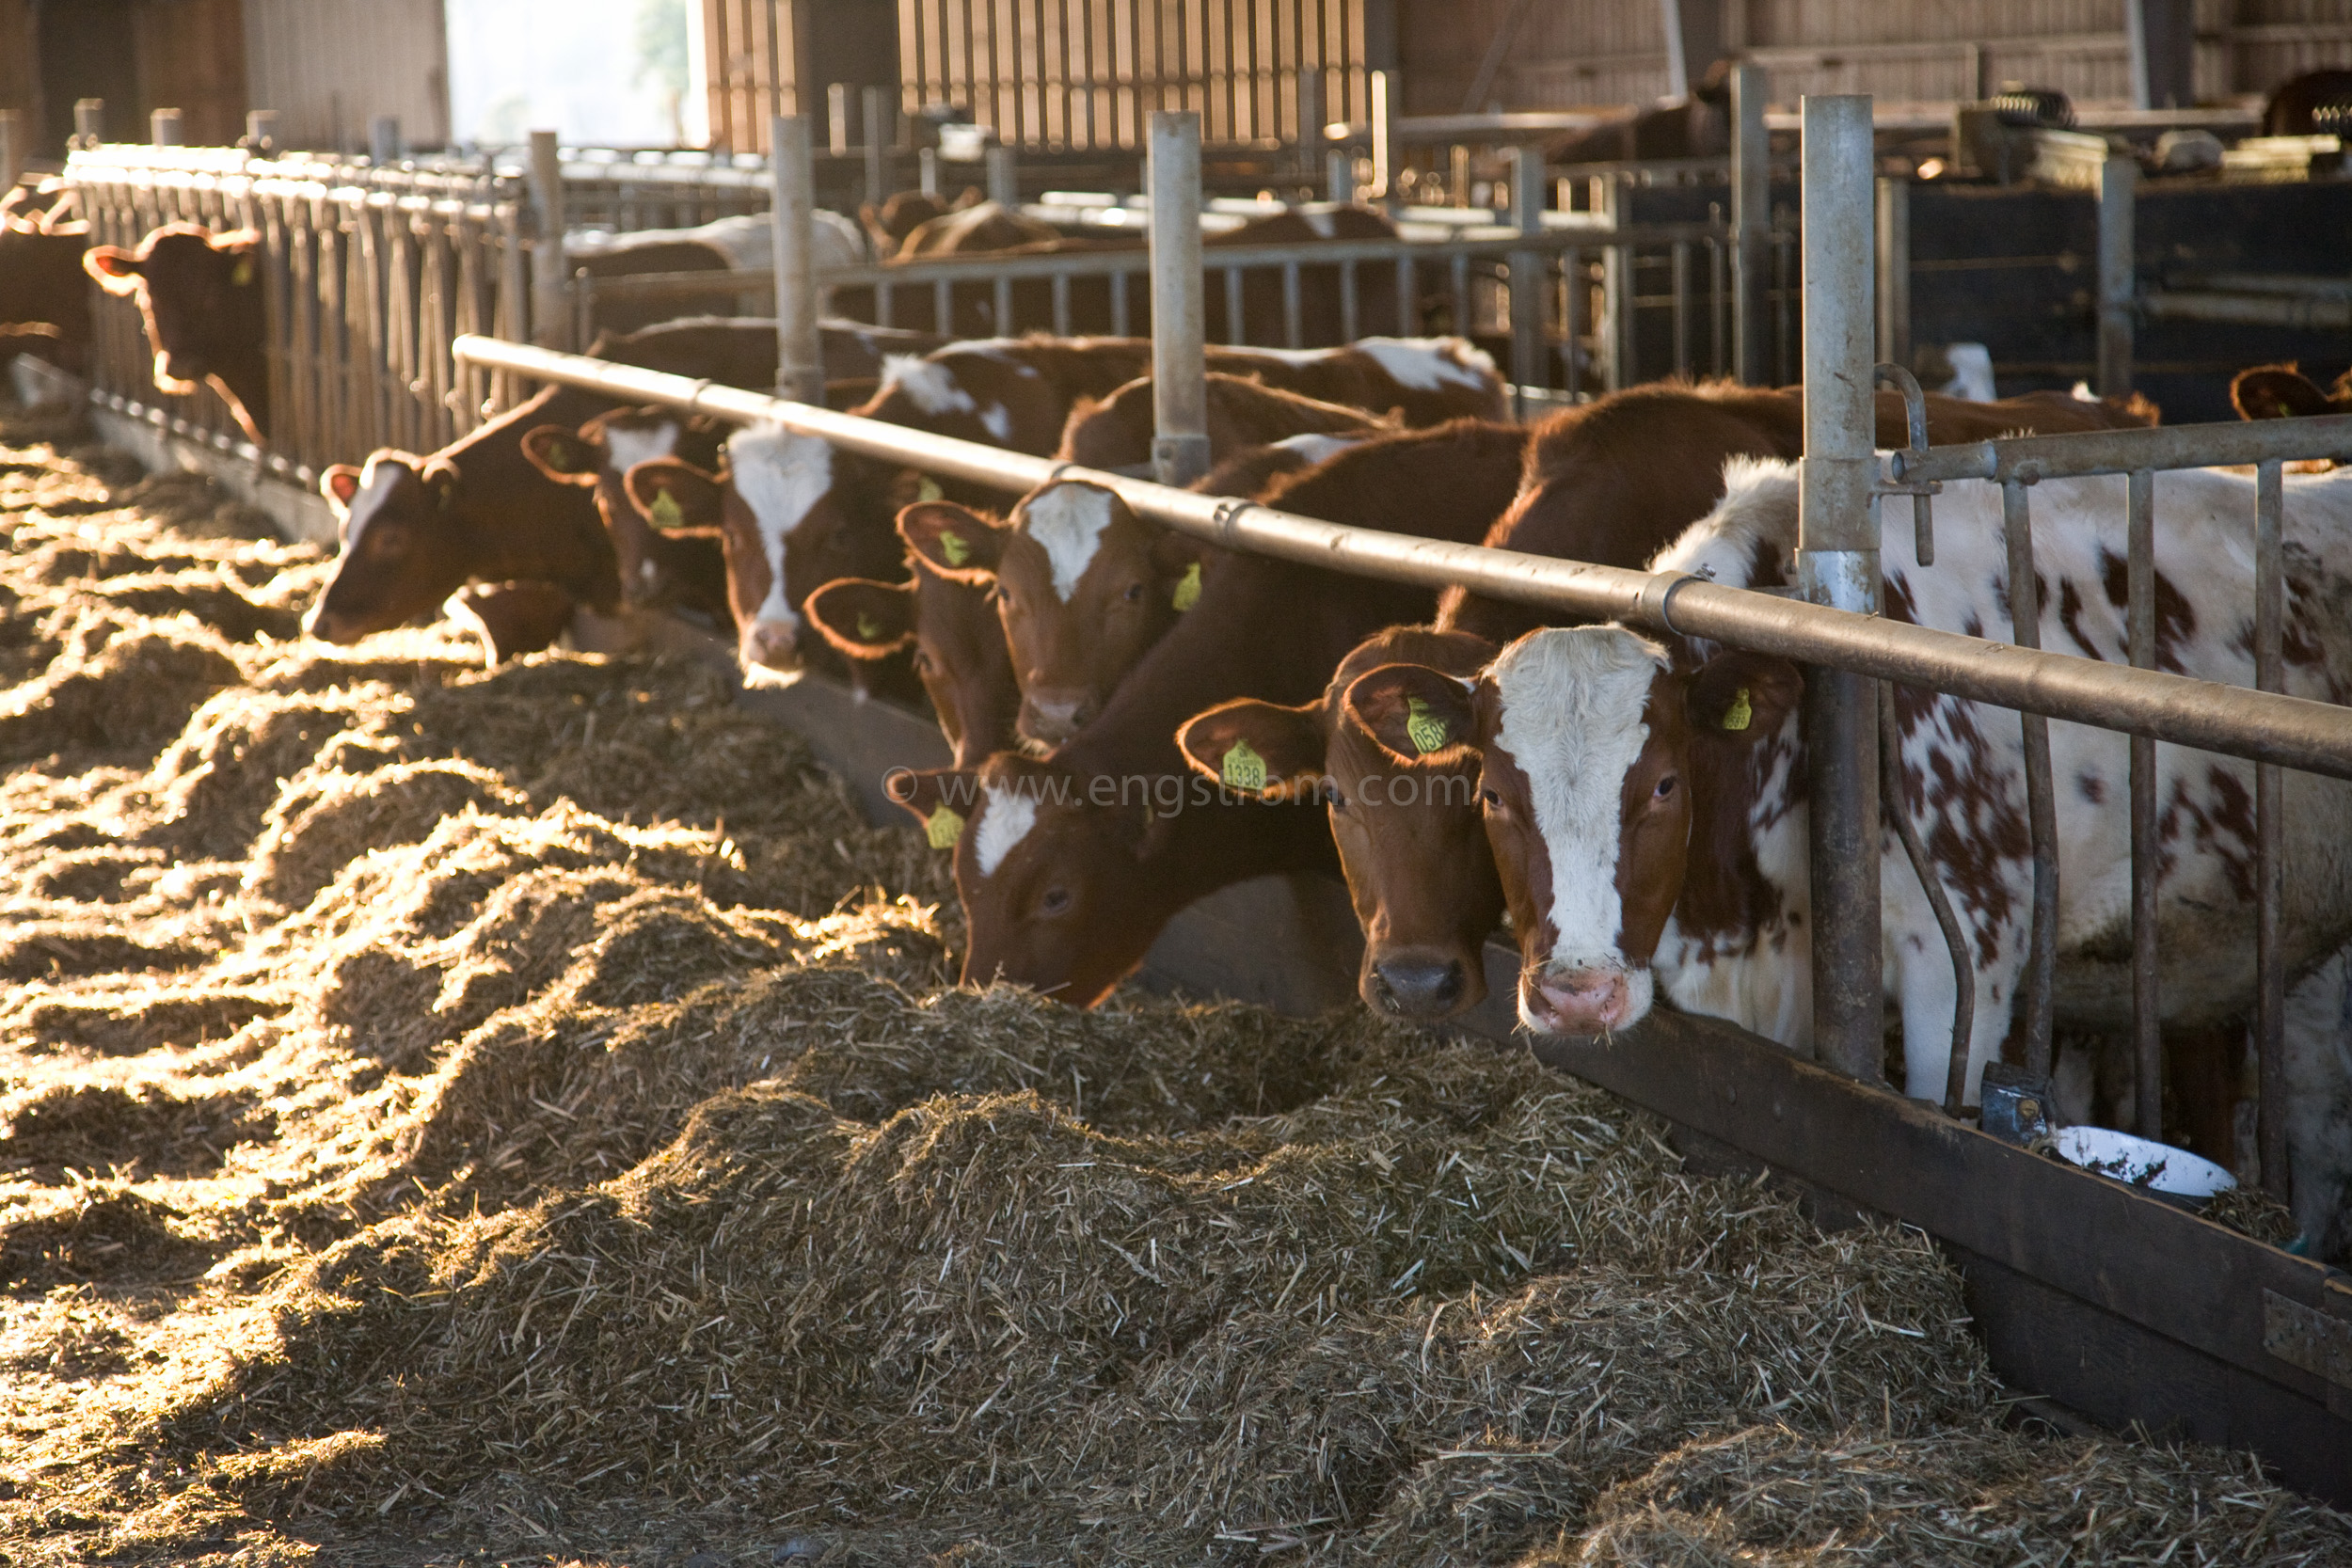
(2269, 1337)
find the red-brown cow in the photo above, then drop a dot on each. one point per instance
(202, 295)
(658, 571)
(1408, 830)
(1114, 433)
(1091, 883)
(44, 293)
(2284, 393)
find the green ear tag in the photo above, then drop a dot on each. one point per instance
(944, 826)
(951, 545)
(1738, 716)
(1424, 728)
(868, 629)
(666, 510)
(928, 490)
(243, 275)
(1188, 589)
(1243, 769)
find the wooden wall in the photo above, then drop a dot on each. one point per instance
(329, 66)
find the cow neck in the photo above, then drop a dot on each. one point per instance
(1724, 891)
(1275, 630)
(523, 522)
(1205, 848)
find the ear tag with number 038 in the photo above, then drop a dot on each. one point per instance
(928, 490)
(1739, 715)
(666, 510)
(1426, 731)
(1188, 589)
(944, 826)
(951, 545)
(1243, 768)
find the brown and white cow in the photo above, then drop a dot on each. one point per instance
(743, 244)
(1408, 830)
(202, 295)
(683, 571)
(1261, 627)
(1647, 810)
(1114, 433)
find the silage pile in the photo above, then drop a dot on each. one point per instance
(521, 1112)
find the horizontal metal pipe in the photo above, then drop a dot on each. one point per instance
(2030, 458)
(2293, 731)
(2260, 310)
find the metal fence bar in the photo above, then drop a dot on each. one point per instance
(1753, 259)
(1837, 566)
(1528, 271)
(2293, 731)
(2269, 816)
(2025, 608)
(547, 324)
(800, 357)
(2147, 866)
(2033, 458)
(2119, 179)
(1180, 394)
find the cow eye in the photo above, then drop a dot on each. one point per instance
(1665, 790)
(1339, 801)
(1135, 592)
(1056, 901)
(1488, 799)
(922, 662)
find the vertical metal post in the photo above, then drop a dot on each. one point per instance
(1004, 188)
(12, 148)
(879, 134)
(800, 359)
(89, 121)
(260, 131)
(2119, 179)
(1311, 120)
(1180, 388)
(1338, 174)
(163, 129)
(837, 119)
(2147, 868)
(1384, 108)
(2270, 867)
(1530, 281)
(1751, 226)
(1894, 217)
(384, 139)
(1837, 564)
(551, 326)
(2162, 39)
(2024, 609)
(926, 170)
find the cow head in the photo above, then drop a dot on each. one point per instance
(1592, 751)
(201, 296)
(791, 514)
(600, 454)
(959, 649)
(1039, 870)
(2283, 392)
(1083, 585)
(402, 546)
(1407, 826)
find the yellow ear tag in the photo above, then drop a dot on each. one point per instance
(944, 826)
(243, 275)
(666, 510)
(868, 629)
(951, 545)
(1738, 716)
(928, 490)
(1243, 768)
(1188, 589)
(1426, 731)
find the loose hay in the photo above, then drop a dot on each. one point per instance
(526, 1113)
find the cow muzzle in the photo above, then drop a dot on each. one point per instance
(1053, 714)
(1581, 1000)
(327, 627)
(770, 645)
(1419, 986)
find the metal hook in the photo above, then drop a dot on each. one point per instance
(1915, 418)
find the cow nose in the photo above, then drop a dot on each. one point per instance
(1581, 1001)
(323, 623)
(1053, 714)
(1417, 987)
(770, 645)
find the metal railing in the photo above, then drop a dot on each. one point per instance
(368, 285)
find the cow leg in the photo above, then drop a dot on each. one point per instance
(2200, 1071)
(2319, 1108)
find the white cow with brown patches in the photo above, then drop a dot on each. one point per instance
(1645, 801)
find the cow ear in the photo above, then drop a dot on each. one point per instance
(1743, 697)
(1254, 748)
(339, 483)
(674, 496)
(863, 618)
(565, 456)
(941, 799)
(1412, 710)
(71, 229)
(116, 269)
(1178, 556)
(954, 540)
(2277, 392)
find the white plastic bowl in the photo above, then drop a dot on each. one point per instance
(2143, 1163)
